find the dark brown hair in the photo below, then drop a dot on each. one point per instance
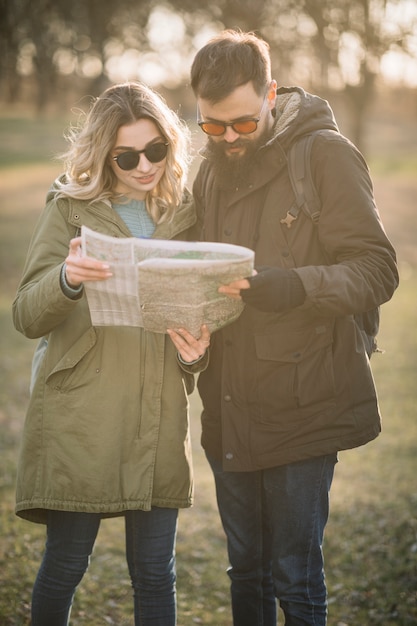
(230, 59)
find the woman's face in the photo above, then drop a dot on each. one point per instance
(144, 176)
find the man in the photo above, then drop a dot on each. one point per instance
(289, 383)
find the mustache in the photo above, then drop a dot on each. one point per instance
(224, 145)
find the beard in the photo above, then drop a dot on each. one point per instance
(232, 170)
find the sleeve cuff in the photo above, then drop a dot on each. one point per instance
(70, 292)
(181, 360)
(194, 367)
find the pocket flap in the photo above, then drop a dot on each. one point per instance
(76, 352)
(293, 345)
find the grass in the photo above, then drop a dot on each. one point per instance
(371, 544)
(371, 539)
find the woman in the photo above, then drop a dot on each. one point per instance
(106, 432)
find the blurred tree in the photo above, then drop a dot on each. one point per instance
(49, 38)
(322, 44)
(350, 40)
(11, 20)
(43, 34)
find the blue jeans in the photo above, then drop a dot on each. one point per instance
(274, 521)
(150, 554)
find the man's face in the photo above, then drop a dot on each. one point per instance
(232, 152)
(241, 105)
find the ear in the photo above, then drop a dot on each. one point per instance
(272, 94)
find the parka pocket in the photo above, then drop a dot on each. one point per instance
(295, 368)
(66, 373)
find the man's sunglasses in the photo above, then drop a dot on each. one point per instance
(242, 127)
(130, 159)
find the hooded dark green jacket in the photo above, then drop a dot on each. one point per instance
(283, 387)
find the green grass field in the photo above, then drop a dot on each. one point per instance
(371, 540)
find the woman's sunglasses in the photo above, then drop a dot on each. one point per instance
(130, 159)
(242, 127)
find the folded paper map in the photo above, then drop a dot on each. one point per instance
(160, 284)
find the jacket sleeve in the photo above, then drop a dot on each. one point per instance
(40, 303)
(361, 272)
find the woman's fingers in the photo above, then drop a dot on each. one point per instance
(79, 269)
(190, 348)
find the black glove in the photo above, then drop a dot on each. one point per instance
(274, 289)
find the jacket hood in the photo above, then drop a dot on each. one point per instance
(56, 187)
(299, 113)
(184, 218)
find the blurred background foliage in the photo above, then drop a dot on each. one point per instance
(54, 52)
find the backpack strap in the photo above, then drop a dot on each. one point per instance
(299, 171)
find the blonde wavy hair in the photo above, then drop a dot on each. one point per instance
(88, 174)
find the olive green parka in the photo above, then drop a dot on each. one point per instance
(107, 424)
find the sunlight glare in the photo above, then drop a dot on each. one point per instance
(399, 69)
(166, 29)
(123, 65)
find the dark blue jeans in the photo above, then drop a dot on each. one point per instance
(150, 554)
(274, 521)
